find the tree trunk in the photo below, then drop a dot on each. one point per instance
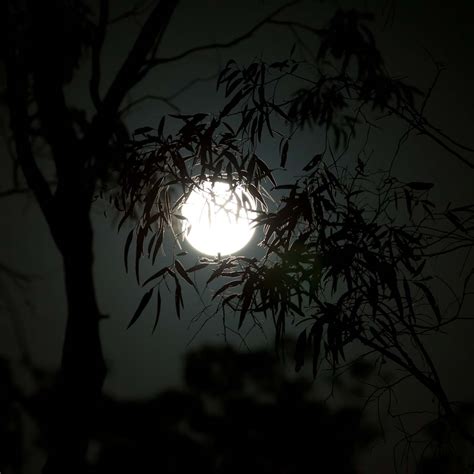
(82, 369)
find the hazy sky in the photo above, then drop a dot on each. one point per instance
(409, 34)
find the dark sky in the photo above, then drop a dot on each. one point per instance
(409, 34)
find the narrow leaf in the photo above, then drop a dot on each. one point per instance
(179, 267)
(197, 267)
(317, 331)
(127, 249)
(156, 275)
(158, 311)
(231, 284)
(284, 154)
(430, 298)
(419, 186)
(145, 300)
(300, 351)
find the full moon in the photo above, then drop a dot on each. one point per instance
(218, 219)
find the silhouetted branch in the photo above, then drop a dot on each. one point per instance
(15, 274)
(296, 24)
(225, 44)
(17, 191)
(190, 84)
(135, 11)
(94, 84)
(128, 74)
(434, 386)
(14, 192)
(168, 100)
(158, 98)
(17, 86)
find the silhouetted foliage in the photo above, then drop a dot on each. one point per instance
(346, 245)
(239, 412)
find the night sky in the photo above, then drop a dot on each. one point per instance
(409, 34)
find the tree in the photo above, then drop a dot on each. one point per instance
(43, 44)
(346, 246)
(41, 56)
(238, 411)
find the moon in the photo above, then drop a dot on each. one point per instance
(218, 219)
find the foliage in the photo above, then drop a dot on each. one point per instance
(237, 412)
(346, 247)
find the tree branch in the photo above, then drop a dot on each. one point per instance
(94, 84)
(17, 93)
(221, 45)
(128, 74)
(14, 192)
(136, 10)
(144, 98)
(15, 274)
(296, 24)
(168, 100)
(20, 191)
(432, 385)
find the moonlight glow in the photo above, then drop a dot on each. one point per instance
(218, 220)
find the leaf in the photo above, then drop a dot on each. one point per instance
(158, 311)
(419, 186)
(430, 298)
(247, 299)
(142, 130)
(230, 105)
(409, 298)
(232, 86)
(300, 351)
(255, 193)
(197, 267)
(314, 162)
(158, 243)
(286, 186)
(217, 272)
(265, 170)
(232, 159)
(284, 154)
(317, 332)
(151, 196)
(139, 251)
(127, 249)
(408, 199)
(161, 126)
(178, 299)
(145, 300)
(231, 284)
(150, 244)
(455, 221)
(280, 112)
(179, 267)
(156, 275)
(293, 48)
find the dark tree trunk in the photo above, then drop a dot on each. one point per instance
(39, 61)
(82, 369)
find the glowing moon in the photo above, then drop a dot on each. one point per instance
(216, 222)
